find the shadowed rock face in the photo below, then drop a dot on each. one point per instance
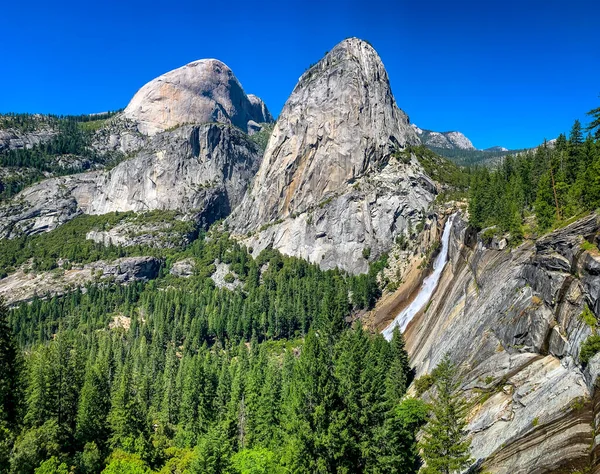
(185, 170)
(199, 92)
(511, 319)
(202, 170)
(337, 129)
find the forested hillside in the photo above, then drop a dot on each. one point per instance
(67, 150)
(474, 157)
(180, 375)
(537, 190)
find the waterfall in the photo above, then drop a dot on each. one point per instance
(429, 285)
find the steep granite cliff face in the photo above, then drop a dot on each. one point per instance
(512, 320)
(199, 92)
(202, 170)
(183, 137)
(327, 187)
(206, 167)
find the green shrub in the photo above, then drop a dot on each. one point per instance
(402, 242)
(585, 245)
(229, 278)
(52, 466)
(589, 348)
(588, 318)
(366, 253)
(424, 383)
(488, 235)
(121, 462)
(578, 403)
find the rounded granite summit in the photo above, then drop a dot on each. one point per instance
(199, 92)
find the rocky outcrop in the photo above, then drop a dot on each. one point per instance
(448, 140)
(199, 92)
(512, 320)
(183, 268)
(223, 278)
(355, 225)
(128, 269)
(48, 204)
(327, 188)
(118, 134)
(259, 110)
(24, 284)
(201, 170)
(151, 234)
(204, 169)
(13, 138)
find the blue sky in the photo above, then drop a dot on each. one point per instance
(505, 73)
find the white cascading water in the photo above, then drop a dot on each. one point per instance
(429, 285)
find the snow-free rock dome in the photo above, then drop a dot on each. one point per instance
(199, 92)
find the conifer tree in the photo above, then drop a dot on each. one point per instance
(544, 204)
(310, 410)
(94, 406)
(395, 444)
(445, 444)
(11, 384)
(594, 126)
(399, 375)
(11, 388)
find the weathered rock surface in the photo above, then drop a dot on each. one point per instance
(24, 286)
(325, 188)
(183, 268)
(511, 319)
(202, 170)
(119, 134)
(129, 268)
(12, 138)
(365, 216)
(155, 234)
(448, 140)
(48, 204)
(199, 92)
(218, 277)
(259, 110)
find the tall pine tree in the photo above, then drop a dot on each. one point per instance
(445, 444)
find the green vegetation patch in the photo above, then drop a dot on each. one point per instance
(72, 139)
(441, 169)
(589, 348)
(68, 241)
(539, 190)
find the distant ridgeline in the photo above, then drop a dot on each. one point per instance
(60, 145)
(474, 157)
